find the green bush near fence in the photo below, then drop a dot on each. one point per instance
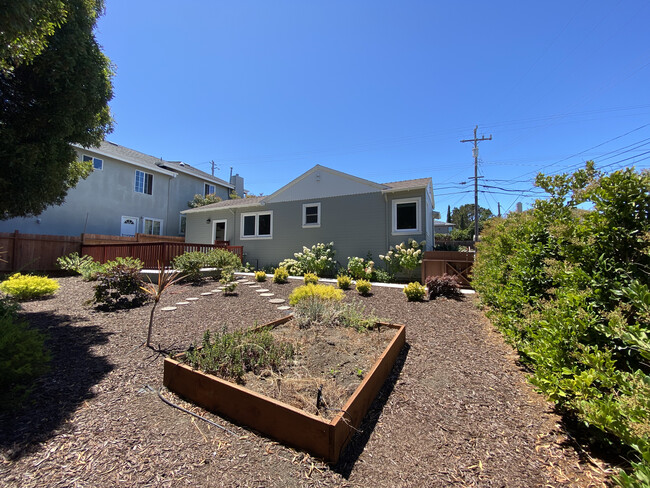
(568, 287)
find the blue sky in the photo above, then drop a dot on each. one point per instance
(384, 90)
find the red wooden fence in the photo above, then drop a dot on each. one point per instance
(152, 253)
(34, 252)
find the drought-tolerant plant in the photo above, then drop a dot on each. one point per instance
(414, 292)
(316, 311)
(442, 286)
(404, 257)
(280, 275)
(310, 278)
(28, 287)
(317, 259)
(228, 283)
(382, 276)
(260, 276)
(363, 287)
(568, 288)
(233, 354)
(23, 358)
(344, 282)
(83, 265)
(360, 268)
(166, 279)
(222, 258)
(119, 284)
(190, 264)
(324, 292)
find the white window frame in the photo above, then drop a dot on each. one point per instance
(182, 218)
(257, 225)
(94, 162)
(304, 215)
(144, 183)
(207, 187)
(144, 224)
(418, 216)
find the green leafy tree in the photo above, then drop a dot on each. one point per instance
(200, 200)
(448, 214)
(52, 97)
(463, 216)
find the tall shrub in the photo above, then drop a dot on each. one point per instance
(568, 287)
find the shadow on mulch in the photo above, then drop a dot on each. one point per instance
(73, 371)
(357, 444)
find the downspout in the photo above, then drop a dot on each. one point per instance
(387, 223)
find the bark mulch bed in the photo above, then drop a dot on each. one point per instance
(456, 410)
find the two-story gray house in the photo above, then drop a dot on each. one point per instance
(322, 205)
(127, 193)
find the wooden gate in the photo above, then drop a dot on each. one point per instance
(455, 263)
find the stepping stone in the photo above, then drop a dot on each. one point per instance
(277, 300)
(267, 294)
(182, 303)
(256, 286)
(207, 293)
(262, 290)
(191, 299)
(243, 281)
(284, 307)
(218, 290)
(252, 284)
(168, 309)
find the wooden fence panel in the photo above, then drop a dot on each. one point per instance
(34, 252)
(455, 263)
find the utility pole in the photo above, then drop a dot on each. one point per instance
(499, 207)
(475, 154)
(213, 166)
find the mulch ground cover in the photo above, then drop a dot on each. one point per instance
(455, 411)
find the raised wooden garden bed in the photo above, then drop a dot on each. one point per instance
(287, 424)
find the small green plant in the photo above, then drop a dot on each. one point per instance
(344, 282)
(260, 276)
(222, 258)
(228, 281)
(323, 292)
(383, 276)
(360, 268)
(166, 279)
(23, 359)
(316, 311)
(414, 292)
(360, 373)
(310, 278)
(232, 354)
(83, 265)
(442, 286)
(28, 287)
(190, 264)
(363, 287)
(280, 275)
(119, 284)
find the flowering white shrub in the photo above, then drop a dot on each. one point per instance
(360, 268)
(404, 257)
(317, 259)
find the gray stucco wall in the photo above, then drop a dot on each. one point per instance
(357, 224)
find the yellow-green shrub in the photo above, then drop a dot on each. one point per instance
(363, 286)
(25, 287)
(324, 292)
(260, 276)
(414, 292)
(280, 275)
(344, 282)
(310, 278)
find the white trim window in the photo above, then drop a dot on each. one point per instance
(311, 214)
(98, 164)
(407, 215)
(182, 224)
(257, 225)
(209, 189)
(143, 182)
(152, 226)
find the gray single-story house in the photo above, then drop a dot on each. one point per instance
(321, 205)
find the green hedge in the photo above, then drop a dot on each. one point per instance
(567, 284)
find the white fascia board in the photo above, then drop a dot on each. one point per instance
(207, 178)
(213, 209)
(127, 160)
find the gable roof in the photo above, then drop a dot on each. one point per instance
(405, 185)
(152, 163)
